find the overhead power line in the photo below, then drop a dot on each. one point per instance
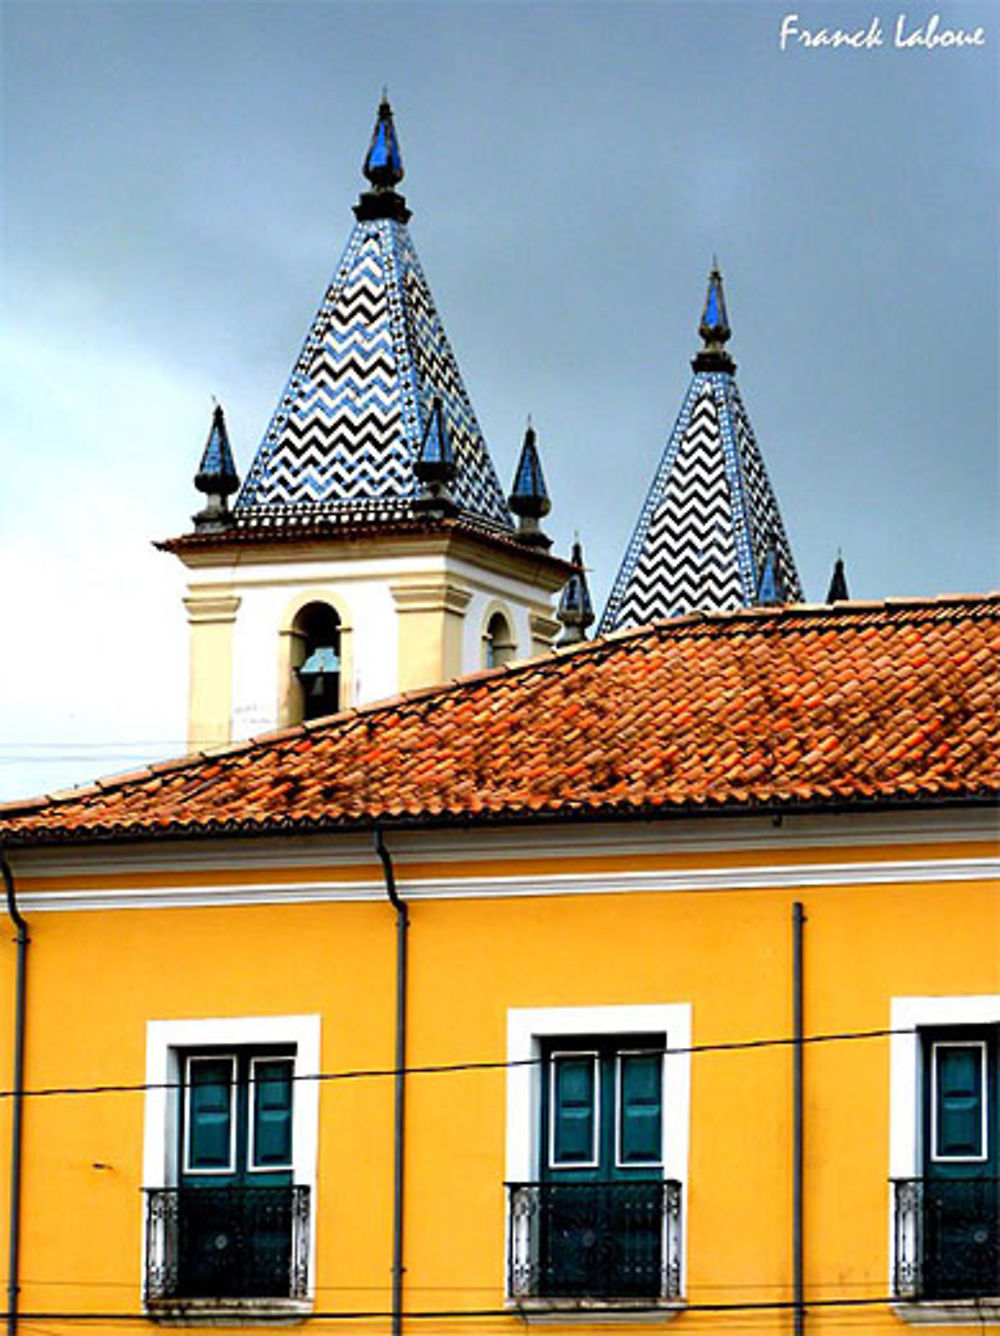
(444, 1314)
(446, 1068)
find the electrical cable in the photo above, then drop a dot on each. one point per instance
(444, 1314)
(497, 1064)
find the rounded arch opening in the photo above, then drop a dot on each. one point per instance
(316, 661)
(499, 645)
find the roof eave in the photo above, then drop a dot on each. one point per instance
(776, 809)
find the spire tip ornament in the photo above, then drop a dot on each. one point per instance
(575, 611)
(714, 327)
(838, 592)
(216, 476)
(529, 499)
(771, 591)
(435, 466)
(383, 168)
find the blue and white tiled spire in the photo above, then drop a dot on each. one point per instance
(348, 429)
(710, 535)
(216, 477)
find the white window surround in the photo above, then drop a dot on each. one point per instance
(527, 1027)
(165, 1040)
(910, 1015)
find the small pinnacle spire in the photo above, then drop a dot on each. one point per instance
(837, 593)
(529, 499)
(383, 167)
(216, 475)
(770, 586)
(435, 465)
(714, 327)
(575, 611)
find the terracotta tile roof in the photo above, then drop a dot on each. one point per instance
(806, 706)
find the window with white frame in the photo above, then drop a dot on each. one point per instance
(230, 1160)
(944, 1163)
(597, 1143)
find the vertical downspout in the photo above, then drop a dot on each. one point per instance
(13, 1266)
(798, 1271)
(399, 1121)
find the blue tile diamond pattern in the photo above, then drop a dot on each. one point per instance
(349, 424)
(709, 520)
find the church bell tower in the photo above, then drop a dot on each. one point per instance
(370, 548)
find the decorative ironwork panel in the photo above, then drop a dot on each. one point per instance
(947, 1235)
(595, 1240)
(227, 1243)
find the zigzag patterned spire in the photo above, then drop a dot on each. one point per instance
(348, 427)
(710, 527)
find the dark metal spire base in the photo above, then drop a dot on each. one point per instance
(373, 204)
(533, 538)
(713, 359)
(213, 519)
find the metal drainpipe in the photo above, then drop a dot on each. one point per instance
(399, 1127)
(798, 1273)
(13, 1267)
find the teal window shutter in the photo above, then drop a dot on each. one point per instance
(211, 1088)
(272, 1113)
(640, 1108)
(574, 1109)
(959, 1101)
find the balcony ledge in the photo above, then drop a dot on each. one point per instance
(566, 1312)
(229, 1312)
(948, 1312)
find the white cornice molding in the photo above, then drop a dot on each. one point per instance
(667, 838)
(645, 882)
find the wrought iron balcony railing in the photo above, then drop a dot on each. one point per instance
(594, 1240)
(227, 1243)
(947, 1234)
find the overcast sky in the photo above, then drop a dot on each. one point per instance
(177, 189)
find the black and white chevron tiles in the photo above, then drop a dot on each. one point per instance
(350, 420)
(708, 518)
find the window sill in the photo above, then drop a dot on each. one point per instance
(565, 1312)
(228, 1312)
(948, 1312)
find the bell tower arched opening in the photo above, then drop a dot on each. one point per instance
(499, 645)
(316, 662)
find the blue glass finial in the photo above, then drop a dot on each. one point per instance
(575, 611)
(530, 495)
(714, 327)
(436, 460)
(217, 472)
(770, 586)
(383, 161)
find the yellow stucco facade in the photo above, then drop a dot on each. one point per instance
(501, 926)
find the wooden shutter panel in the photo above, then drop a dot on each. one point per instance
(211, 1091)
(272, 1113)
(958, 1108)
(640, 1108)
(573, 1109)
